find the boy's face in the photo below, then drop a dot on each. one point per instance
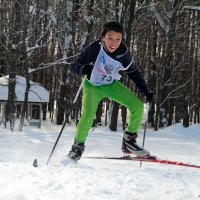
(112, 40)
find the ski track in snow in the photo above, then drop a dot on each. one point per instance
(93, 180)
(97, 179)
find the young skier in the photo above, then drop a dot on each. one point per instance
(100, 64)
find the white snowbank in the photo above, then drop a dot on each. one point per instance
(98, 179)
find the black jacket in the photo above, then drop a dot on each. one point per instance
(84, 63)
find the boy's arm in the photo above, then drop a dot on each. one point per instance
(136, 76)
(138, 79)
(82, 65)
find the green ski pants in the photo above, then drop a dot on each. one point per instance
(92, 95)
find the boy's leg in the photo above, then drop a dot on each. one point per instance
(127, 98)
(90, 102)
(124, 96)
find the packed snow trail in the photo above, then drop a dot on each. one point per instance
(97, 179)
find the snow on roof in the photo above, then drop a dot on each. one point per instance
(37, 93)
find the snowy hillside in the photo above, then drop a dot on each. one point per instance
(98, 179)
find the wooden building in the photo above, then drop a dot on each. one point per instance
(38, 95)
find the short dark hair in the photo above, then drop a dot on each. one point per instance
(112, 26)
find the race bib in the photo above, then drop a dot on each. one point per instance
(105, 69)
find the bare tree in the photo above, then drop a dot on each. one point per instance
(39, 39)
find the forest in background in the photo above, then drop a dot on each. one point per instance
(39, 39)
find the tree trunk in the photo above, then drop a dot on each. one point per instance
(99, 114)
(61, 101)
(25, 104)
(124, 116)
(67, 52)
(114, 116)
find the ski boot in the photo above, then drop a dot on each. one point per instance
(76, 151)
(129, 145)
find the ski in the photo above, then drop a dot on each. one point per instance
(68, 162)
(152, 159)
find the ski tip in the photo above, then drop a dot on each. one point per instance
(35, 162)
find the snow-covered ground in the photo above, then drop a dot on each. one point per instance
(98, 179)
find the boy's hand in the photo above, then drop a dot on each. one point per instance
(87, 70)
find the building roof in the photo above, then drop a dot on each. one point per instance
(37, 93)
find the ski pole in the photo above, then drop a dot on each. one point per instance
(57, 141)
(145, 127)
(145, 124)
(75, 99)
(77, 94)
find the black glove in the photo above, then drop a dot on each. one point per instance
(149, 96)
(87, 70)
